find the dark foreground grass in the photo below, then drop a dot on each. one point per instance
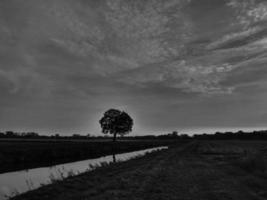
(16, 154)
(195, 171)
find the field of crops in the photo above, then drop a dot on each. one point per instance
(23, 154)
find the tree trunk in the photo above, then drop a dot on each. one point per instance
(114, 157)
(114, 137)
(114, 147)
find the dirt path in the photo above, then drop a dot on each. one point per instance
(175, 174)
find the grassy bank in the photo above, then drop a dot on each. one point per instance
(25, 154)
(199, 171)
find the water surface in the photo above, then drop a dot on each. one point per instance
(12, 183)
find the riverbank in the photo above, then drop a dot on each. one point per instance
(200, 171)
(26, 154)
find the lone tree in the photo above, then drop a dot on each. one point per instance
(116, 122)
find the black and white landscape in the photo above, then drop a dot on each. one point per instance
(86, 82)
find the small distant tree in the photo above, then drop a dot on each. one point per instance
(116, 122)
(175, 134)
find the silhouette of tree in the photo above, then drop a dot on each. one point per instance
(116, 122)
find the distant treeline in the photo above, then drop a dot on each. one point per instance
(34, 135)
(239, 135)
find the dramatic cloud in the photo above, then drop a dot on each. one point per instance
(173, 64)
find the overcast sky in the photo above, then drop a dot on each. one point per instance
(186, 65)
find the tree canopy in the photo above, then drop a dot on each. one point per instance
(116, 122)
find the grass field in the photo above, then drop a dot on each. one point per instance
(24, 154)
(201, 170)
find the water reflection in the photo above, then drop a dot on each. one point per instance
(13, 183)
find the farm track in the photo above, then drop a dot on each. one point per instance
(182, 173)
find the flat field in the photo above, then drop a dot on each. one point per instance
(200, 170)
(16, 154)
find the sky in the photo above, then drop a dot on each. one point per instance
(188, 65)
